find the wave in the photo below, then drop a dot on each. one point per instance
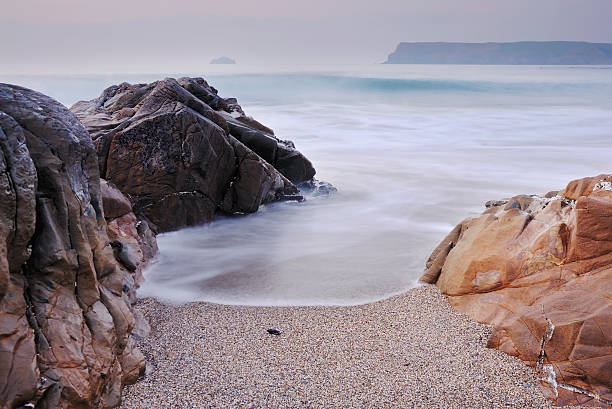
(327, 82)
(333, 86)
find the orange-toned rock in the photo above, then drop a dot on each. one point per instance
(585, 186)
(540, 271)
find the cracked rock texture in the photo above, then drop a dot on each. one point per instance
(133, 242)
(65, 314)
(539, 269)
(175, 144)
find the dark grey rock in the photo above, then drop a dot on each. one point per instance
(178, 145)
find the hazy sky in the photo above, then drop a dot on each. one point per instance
(114, 36)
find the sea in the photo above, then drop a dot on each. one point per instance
(412, 150)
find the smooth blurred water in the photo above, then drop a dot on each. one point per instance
(412, 150)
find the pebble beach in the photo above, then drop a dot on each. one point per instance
(409, 351)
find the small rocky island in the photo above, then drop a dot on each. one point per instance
(519, 53)
(223, 60)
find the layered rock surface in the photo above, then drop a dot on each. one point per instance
(539, 269)
(181, 153)
(65, 312)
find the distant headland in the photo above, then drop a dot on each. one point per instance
(223, 60)
(518, 53)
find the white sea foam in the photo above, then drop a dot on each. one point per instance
(409, 159)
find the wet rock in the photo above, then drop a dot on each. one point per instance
(175, 144)
(280, 154)
(65, 323)
(316, 187)
(115, 204)
(255, 182)
(540, 271)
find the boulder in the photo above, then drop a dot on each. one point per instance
(65, 320)
(539, 269)
(175, 144)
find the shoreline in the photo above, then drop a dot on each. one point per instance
(170, 301)
(410, 350)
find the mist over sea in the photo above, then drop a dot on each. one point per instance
(412, 150)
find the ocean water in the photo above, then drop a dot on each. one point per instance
(412, 150)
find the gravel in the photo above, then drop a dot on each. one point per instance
(409, 351)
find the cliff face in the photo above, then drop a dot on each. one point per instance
(526, 52)
(175, 144)
(539, 269)
(65, 314)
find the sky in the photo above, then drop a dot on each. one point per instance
(153, 36)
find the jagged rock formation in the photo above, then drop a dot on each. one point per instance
(539, 269)
(181, 153)
(73, 246)
(65, 314)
